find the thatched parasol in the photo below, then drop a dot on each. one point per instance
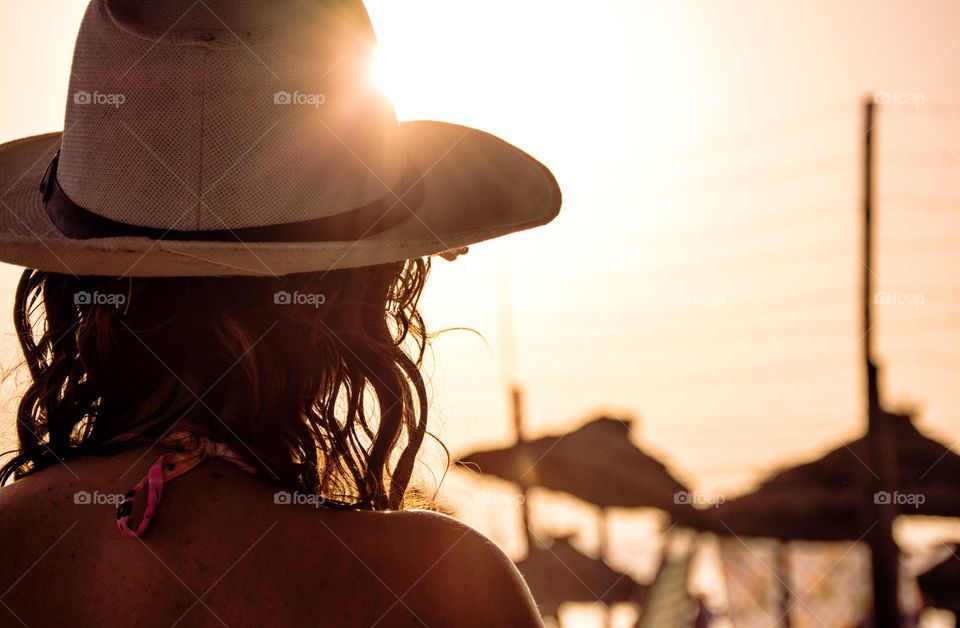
(940, 585)
(557, 572)
(829, 499)
(597, 463)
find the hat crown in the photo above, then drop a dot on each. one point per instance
(232, 23)
(213, 114)
(245, 137)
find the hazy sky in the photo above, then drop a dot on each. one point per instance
(703, 273)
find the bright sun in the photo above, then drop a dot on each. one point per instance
(438, 59)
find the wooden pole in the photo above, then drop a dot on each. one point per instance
(603, 539)
(512, 381)
(783, 574)
(882, 460)
(516, 405)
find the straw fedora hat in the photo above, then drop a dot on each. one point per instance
(243, 137)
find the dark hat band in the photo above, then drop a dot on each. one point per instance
(78, 223)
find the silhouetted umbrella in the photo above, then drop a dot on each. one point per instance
(597, 463)
(828, 499)
(557, 572)
(940, 585)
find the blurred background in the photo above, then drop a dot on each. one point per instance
(701, 289)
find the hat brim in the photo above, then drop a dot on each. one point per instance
(476, 187)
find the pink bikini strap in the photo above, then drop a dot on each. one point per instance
(196, 449)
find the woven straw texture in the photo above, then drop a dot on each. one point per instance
(220, 115)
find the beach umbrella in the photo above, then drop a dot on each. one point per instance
(830, 499)
(940, 585)
(598, 463)
(557, 573)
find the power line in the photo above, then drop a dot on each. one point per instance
(910, 334)
(928, 322)
(926, 245)
(940, 158)
(762, 135)
(782, 330)
(931, 201)
(946, 110)
(799, 256)
(682, 296)
(772, 174)
(762, 373)
(788, 256)
(808, 421)
(781, 219)
(928, 363)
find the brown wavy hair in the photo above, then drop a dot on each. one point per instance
(315, 379)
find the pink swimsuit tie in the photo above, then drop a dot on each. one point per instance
(196, 449)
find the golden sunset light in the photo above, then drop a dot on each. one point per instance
(697, 368)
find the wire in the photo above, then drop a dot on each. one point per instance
(921, 158)
(773, 174)
(764, 373)
(913, 333)
(927, 364)
(952, 292)
(947, 110)
(784, 219)
(930, 200)
(788, 302)
(787, 332)
(763, 135)
(921, 242)
(928, 322)
(927, 245)
(784, 259)
(773, 314)
(808, 421)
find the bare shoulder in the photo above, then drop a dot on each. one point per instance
(413, 567)
(457, 575)
(222, 532)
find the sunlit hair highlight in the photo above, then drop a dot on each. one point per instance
(315, 379)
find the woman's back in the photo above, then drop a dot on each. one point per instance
(229, 260)
(222, 551)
